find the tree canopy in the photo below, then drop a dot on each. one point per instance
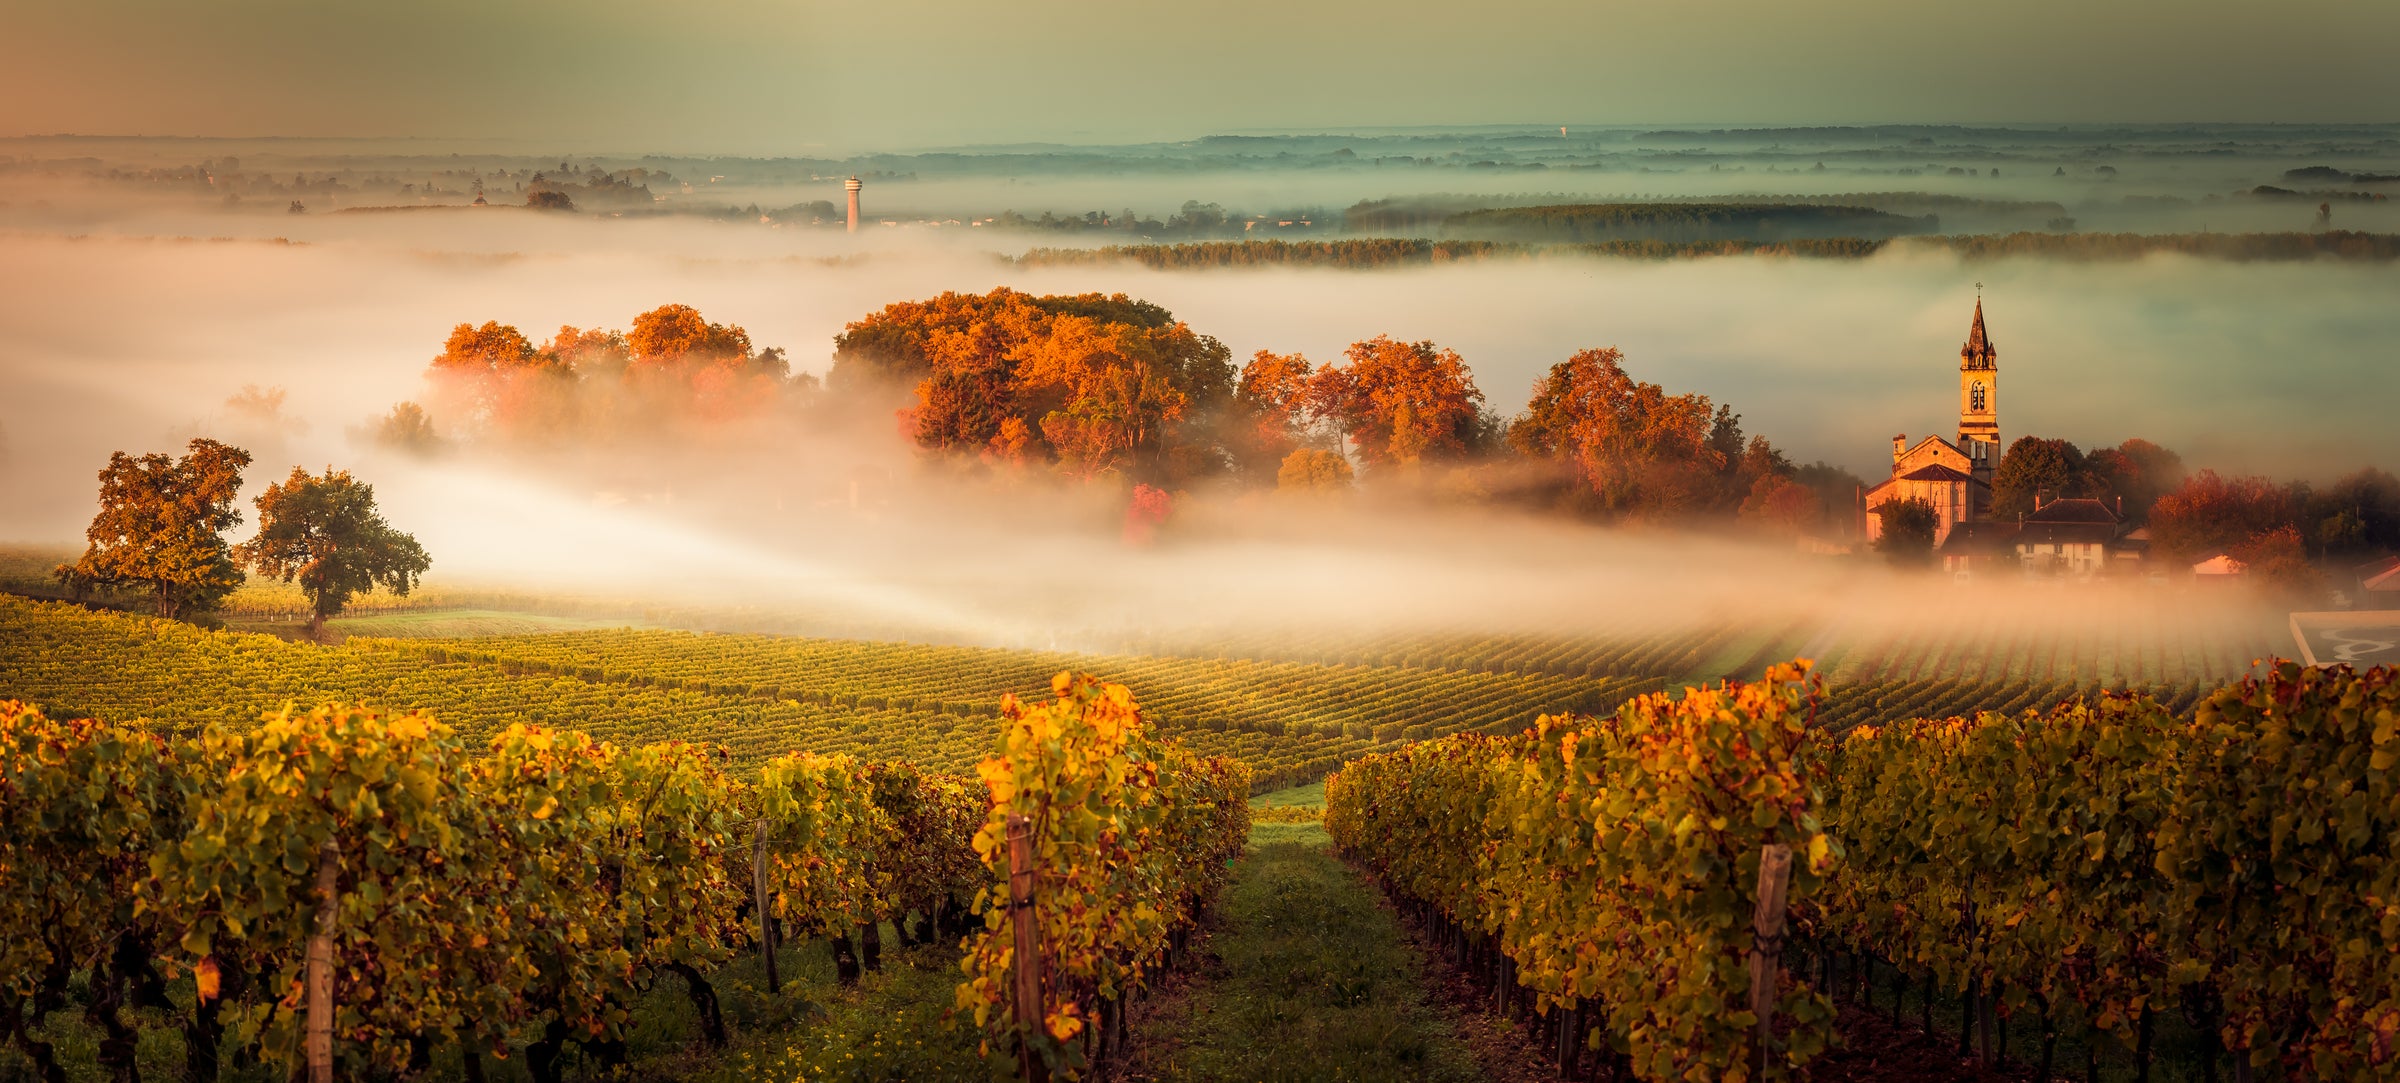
(1402, 402)
(1639, 451)
(161, 526)
(1909, 527)
(324, 533)
(1093, 385)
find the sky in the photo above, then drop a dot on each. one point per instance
(809, 77)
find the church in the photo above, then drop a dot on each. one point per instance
(1955, 478)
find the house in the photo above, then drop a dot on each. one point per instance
(2218, 567)
(2068, 537)
(2379, 584)
(1980, 547)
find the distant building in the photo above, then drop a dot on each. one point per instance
(2075, 537)
(2379, 584)
(2071, 537)
(852, 186)
(1955, 478)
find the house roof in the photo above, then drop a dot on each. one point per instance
(1975, 539)
(2033, 533)
(2074, 510)
(2380, 575)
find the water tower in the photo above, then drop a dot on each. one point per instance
(852, 186)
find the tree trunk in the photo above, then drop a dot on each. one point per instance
(20, 1028)
(704, 998)
(320, 965)
(870, 944)
(118, 1041)
(845, 960)
(541, 1057)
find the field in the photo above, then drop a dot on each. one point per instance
(1292, 707)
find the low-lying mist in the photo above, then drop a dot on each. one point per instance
(131, 339)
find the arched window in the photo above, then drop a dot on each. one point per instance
(1975, 397)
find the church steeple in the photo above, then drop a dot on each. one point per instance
(1978, 352)
(1979, 397)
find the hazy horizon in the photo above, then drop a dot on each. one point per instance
(745, 77)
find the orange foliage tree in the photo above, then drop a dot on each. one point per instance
(1095, 385)
(1402, 402)
(1640, 451)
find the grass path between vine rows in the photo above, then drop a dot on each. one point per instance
(1303, 976)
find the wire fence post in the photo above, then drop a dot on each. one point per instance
(1028, 958)
(1766, 949)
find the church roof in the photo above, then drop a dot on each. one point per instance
(1937, 472)
(1934, 472)
(1979, 351)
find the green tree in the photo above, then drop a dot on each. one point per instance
(324, 533)
(159, 527)
(2037, 466)
(1909, 527)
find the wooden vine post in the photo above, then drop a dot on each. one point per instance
(319, 1037)
(1766, 949)
(758, 894)
(1021, 875)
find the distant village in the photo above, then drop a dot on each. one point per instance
(2061, 537)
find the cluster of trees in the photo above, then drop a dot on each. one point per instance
(673, 371)
(1681, 222)
(1370, 253)
(2276, 529)
(2136, 472)
(1092, 385)
(1195, 219)
(161, 533)
(1096, 386)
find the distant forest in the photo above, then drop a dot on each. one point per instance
(1374, 253)
(1680, 222)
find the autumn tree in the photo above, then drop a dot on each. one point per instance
(1274, 409)
(1837, 491)
(2035, 466)
(1638, 450)
(2276, 562)
(160, 528)
(1782, 506)
(2210, 512)
(324, 533)
(1095, 385)
(674, 335)
(1313, 470)
(1402, 403)
(1909, 527)
(2138, 472)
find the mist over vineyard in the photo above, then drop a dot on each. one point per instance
(137, 317)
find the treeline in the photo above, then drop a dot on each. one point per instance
(1092, 387)
(1426, 212)
(1684, 222)
(1373, 253)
